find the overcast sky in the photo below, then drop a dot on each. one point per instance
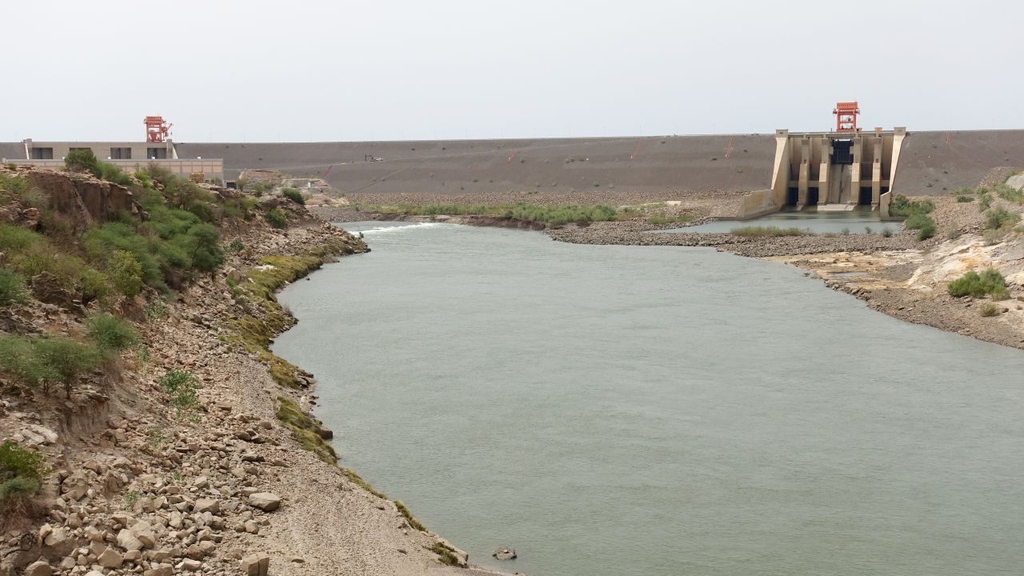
(328, 70)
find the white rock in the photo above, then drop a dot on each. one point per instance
(266, 501)
(110, 559)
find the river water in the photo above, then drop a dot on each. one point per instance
(618, 410)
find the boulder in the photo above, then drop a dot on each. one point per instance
(210, 505)
(110, 558)
(266, 501)
(128, 541)
(38, 568)
(47, 288)
(256, 565)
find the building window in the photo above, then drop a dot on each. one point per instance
(156, 153)
(42, 154)
(120, 153)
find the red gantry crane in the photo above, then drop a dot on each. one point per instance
(846, 116)
(156, 129)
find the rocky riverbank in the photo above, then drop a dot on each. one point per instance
(222, 484)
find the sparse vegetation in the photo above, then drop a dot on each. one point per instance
(21, 472)
(921, 222)
(661, 218)
(413, 522)
(42, 361)
(110, 333)
(963, 198)
(276, 218)
(988, 309)
(182, 388)
(84, 160)
(294, 195)
(1001, 219)
(12, 288)
(307, 431)
(446, 555)
(903, 206)
(989, 283)
(754, 231)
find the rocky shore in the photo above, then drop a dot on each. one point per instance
(224, 487)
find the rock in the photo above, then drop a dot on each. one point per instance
(94, 573)
(256, 565)
(207, 505)
(128, 541)
(47, 288)
(189, 564)
(110, 559)
(159, 571)
(38, 568)
(266, 501)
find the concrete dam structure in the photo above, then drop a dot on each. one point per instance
(929, 163)
(835, 169)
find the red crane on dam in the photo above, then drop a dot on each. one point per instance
(846, 116)
(156, 129)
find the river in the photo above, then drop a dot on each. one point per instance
(620, 410)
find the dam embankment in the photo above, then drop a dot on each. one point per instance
(932, 162)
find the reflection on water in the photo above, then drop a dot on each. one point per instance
(859, 221)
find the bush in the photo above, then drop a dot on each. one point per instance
(921, 222)
(990, 282)
(64, 360)
(82, 160)
(21, 472)
(125, 273)
(962, 198)
(110, 333)
(998, 218)
(294, 195)
(12, 288)
(276, 218)
(903, 206)
(989, 309)
(183, 389)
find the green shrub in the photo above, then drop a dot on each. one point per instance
(990, 282)
(927, 231)
(1008, 193)
(125, 273)
(82, 160)
(110, 333)
(999, 218)
(962, 198)
(294, 195)
(92, 284)
(903, 206)
(12, 288)
(65, 359)
(21, 471)
(183, 389)
(276, 218)
(887, 232)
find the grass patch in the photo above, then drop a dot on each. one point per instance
(446, 555)
(759, 231)
(661, 218)
(358, 480)
(989, 283)
(413, 522)
(1010, 194)
(988, 309)
(1001, 219)
(921, 222)
(12, 288)
(903, 206)
(307, 431)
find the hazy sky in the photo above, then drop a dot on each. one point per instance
(301, 70)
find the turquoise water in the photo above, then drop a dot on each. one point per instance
(617, 410)
(858, 221)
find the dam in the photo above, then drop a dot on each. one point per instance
(837, 168)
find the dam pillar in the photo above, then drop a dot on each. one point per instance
(876, 170)
(823, 172)
(858, 154)
(804, 179)
(780, 172)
